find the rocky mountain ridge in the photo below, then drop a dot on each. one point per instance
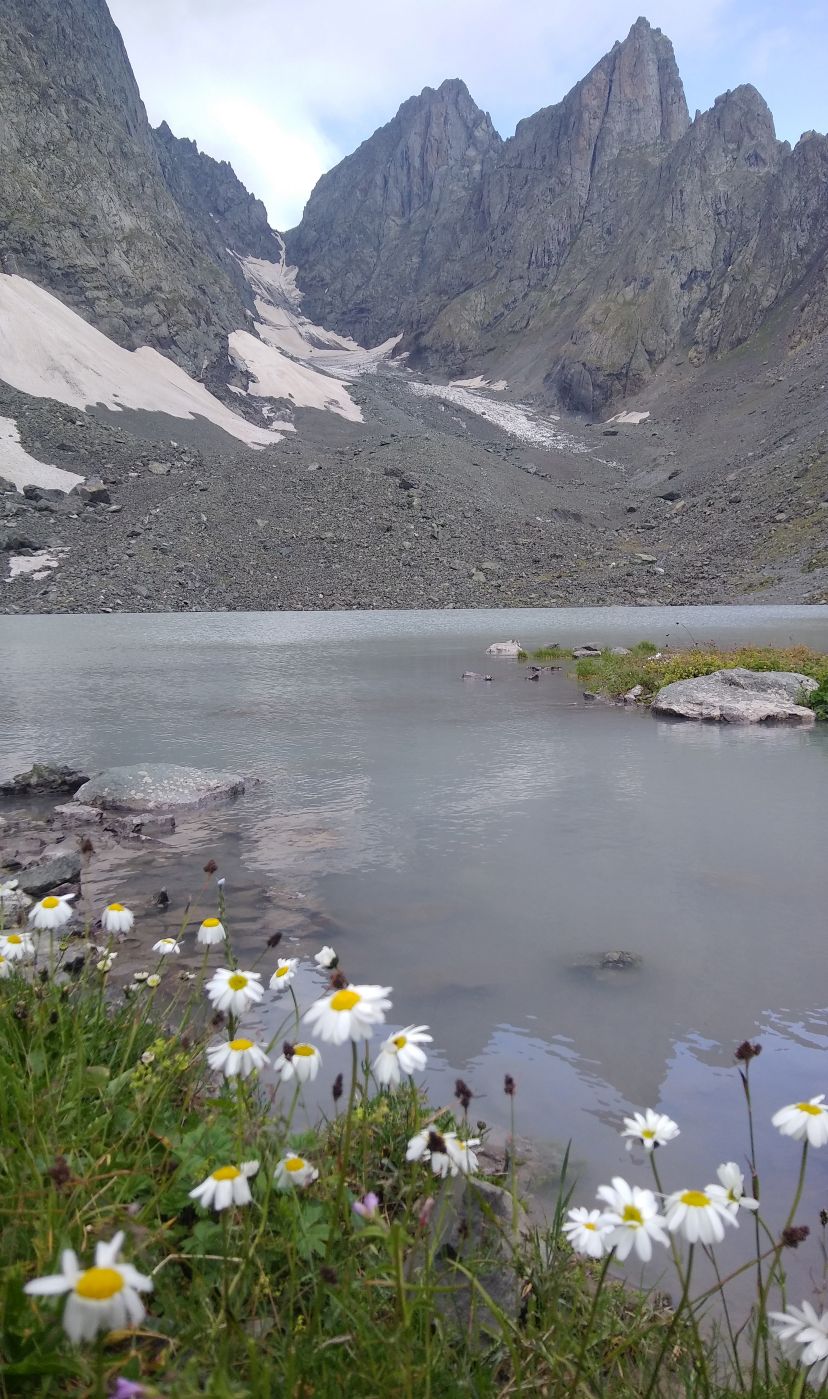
(609, 232)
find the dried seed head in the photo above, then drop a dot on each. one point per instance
(274, 940)
(287, 1049)
(823, 1217)
(218, 1020)
(339, 981)
(336, 1091)
(60, 1172)
(463, 1094)
(436, 1142)
(509, 1086)
(795, 1235)
(329, 1275)
(747, 1051)
(210, 867)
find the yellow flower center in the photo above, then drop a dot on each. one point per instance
(632, 1215)
(813, 1109)
(695, 1198)
(589, 1226)
(51, 902)
(226, 1173)
(282, 971)
(294, 1163)
(400, 1041)
(648, 1134)
(345, 1000)
(115, 908)
(237, 982)
(210, 923)
(15, 938)
(241, 1044)
(99, 1284)
(305, 1051)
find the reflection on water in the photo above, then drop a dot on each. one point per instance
(469, 843)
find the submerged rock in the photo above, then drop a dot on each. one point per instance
(158, 787)
(739, 696)
(44, 777)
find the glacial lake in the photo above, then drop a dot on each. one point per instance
(468, 843)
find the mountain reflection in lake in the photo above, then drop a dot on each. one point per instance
(469, 843)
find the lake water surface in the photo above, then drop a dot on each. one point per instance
(469, 843)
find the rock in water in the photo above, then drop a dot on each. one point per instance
(504, 648)
(43, 777)
(158, 787)
(50, 874)
(739, 696)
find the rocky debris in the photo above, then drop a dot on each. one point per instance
(634, 694)
(93, 492)
(583, 652)
(158, 787)
(474, 675)
(739, 696)
(48, 875)
(504, 648)
(619, 651)
(616, 960)
(43, 777)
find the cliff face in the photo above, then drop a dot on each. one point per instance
(608, 232)
(211, 190)
(376, 246)
(85, 207)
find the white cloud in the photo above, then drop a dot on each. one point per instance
(284, 90)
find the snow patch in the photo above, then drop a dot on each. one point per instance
(629, 416)
(516, 419)
(480, 383)
(22, 470)
(49, 351)
(35, 566)
(275, 375)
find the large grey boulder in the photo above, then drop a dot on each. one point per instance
(43, 777)
(50, 874)
(739, 696)
(157, 787)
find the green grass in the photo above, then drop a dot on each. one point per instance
(615, 675)
(109, 1119)
(546, 655)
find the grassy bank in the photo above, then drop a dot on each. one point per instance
(380, 1269)
(615, 675)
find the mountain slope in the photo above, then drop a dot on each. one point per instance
(85, 208)
(575, 257)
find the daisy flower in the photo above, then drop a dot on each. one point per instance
(107, 962)
(102, 1298)
(6, 966)
(284, 973)
(350, 1013)
(804, 1121)
(294, 1172)
(587, 1232)
(326, 959)
(303, 1060)
(462, 1159)
(700, 1217)
(234, 991)
(400, 1055)
(165, 946)
(634, 1219)
(431, 1143)
(730, 1190)
(17, 947)
(51, 912)
(650, 1129)
(154, 980)
(236, 1058)
(117, 919)
(227, 1186)
(803, 1336)
(210, 932)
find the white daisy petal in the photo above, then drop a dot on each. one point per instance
(349, 1013)
(234, 991)
(102, 1298)
(805, 1121)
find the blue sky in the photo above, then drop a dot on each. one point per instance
(284, 90)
